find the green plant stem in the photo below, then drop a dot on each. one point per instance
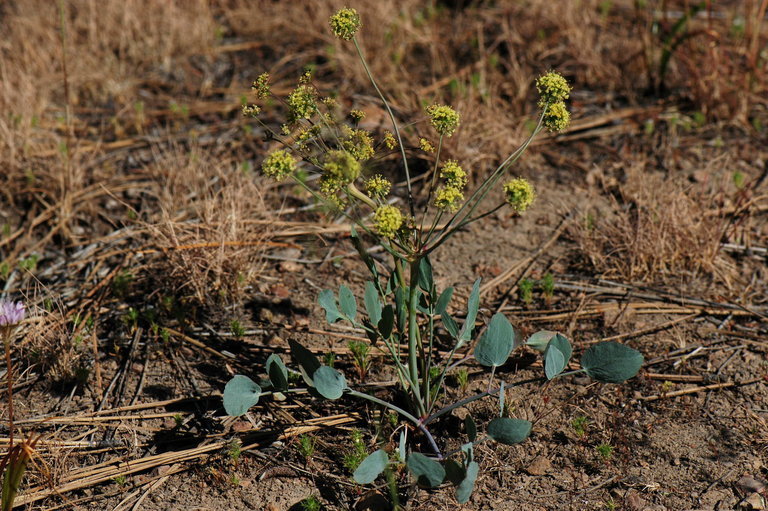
(413, 332)
(418, 423)
(9, 378)
(353, 191)
(470, 399)
(394, 124)
(429, 194)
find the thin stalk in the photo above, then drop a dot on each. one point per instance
(394, 124)
(418, 423)
(9, 379)
(429, 194)
(413, 331)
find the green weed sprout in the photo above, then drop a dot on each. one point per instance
(403, 309)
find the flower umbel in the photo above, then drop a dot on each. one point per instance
(359, 143)
(389, 140)
(278, 165)
(377, 186)
(426, 146)
(302, 102)
(261, 86)
(557, 117)
(519, 194)
(345, 23)
(11, 313)
(443, 118)
(553, 88)
(448, 197)
(388, 220)
(454, 175)
(341, 165)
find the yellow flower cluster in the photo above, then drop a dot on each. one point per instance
(359, 143)
(302, 102)
(357, 115)
(278, 164)
(388, 220)
(554, 90)
(449, 195)
(443, 118)
(377, 186)
(557, 117)
(519, 194)
(389, 140)
(426, 145)
(345, 23)
(261, 86)
(251, 110)
(341, 168)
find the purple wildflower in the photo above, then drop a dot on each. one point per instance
(11, 313)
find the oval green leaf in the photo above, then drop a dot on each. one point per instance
(329, 382)
(278, 373)
(306, 360)
(372, 303)
(540, 340)
(470, 427)
(495, 345)
(428, 472)
(556, 356)
(371, 467)
(387, 321)
(464, 490)
(443, 301)
(472, 306)
(240, 394)
(509, 431)
(327, 301)
(347, 302)
(611, 362)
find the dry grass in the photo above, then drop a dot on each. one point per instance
(657, 229)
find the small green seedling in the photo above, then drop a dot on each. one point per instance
(236, 329)
(358, 452)
(311, 503)
(361, 356)
(525, 290)
(579, 425)
(605, 451)
(306, 447)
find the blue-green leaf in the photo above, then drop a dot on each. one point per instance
(556, 356)
(240, 394)
(329, 382)
(443, 301)
(347, 302)
(327, 301)
(387, 321)
(454, 472)
(540, 340)
(450, 324)
(472, 306)
(425, 276)
(464, 490)
(611, 362)
(306, 360)
(471, 427)
(401, 446)
(371, 467)
(428, 472)
(278, 373)
(509, 431)
(372, 303)
(495, 345)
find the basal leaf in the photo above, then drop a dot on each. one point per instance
(472, 306)
(329, 382)
(464, 490)
(611, 362)
(240, 394)
(371, 467)
(387, 321)
(540, 340)
(470, 427)
(327, 301)
(443, 301)
(454, 472)
(347, 302)
(278, 373)
(556, 356)
(495, 345)
(450, 324)
(509, 431)
(372, 303)
(306, 360)
(428, 472)
(425, 276)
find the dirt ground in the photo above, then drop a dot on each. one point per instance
(156, 262)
